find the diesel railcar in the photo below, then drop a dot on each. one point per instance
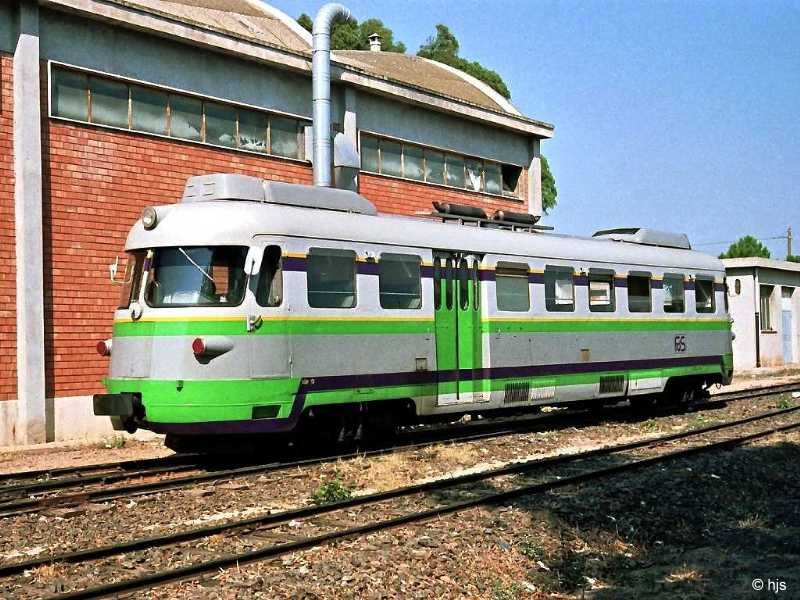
(257, 307)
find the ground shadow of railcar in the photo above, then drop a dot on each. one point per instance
(712, 526)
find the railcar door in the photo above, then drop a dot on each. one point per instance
(458, 327)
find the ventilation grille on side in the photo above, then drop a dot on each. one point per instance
(518, 391)
(612, 384)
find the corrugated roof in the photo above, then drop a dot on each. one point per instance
(419, 72)
(248, 19)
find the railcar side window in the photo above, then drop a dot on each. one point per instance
(674, 296)
(704, 295)
(399, 281)
(639, 299)
(133, 279)
(197, 276)
(331, 278)
(511, 287)
(559, 289)
(601, 291)
(269, 291)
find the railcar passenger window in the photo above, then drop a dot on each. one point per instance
(559, 289)
(601, 292)
(331, 278)
(269, 291)
(511, 287)
(399, 281)
(639, 299)
(674, 297)
(704, 295)
(133, 279)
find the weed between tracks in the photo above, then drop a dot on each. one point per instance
(333, 490)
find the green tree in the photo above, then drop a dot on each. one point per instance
(745, 247)
(443, 47)
(352, 35)
(549, 191)
(793, 258)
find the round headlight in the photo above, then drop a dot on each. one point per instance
(149, 217)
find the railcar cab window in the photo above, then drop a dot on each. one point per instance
(269, 290)
(331, 278)
(559, 289)
(704, 295)
(639, 297)
(511, 287)
(601, 291)
(196, 276)
(674, 294)
(399, 281)
(133, 279)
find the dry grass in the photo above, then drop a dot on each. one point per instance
(683, 574)
(47, 573)
(751, 522)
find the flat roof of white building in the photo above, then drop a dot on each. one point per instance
(761, 263)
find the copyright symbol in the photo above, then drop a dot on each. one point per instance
(758, 585)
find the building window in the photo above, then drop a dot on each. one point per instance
(115, 103)
(704, 295)
(601, 291)
(766, 307)
(511, 287)
(331, 278)
(674, 294)
(639, 299)
(559, 290)
(399, 281)
(412, 161)
(269, 291)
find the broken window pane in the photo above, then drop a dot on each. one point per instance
(284, 139)
(252, 130)
(148, 110)
(412, 162)
(391, 163)
(220, 124)
(434, 166)
(109, 102)
(511, 175)
(474, 175)
(493, 179)
(369, 154)
(186, 118)
(455, 170)
(70, 96)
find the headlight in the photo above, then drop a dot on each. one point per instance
(149, 217)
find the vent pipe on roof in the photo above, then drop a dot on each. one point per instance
(321, 83)
(375, 42)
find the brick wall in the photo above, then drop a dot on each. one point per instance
(96, 184)
(8, 282)
(392, 195)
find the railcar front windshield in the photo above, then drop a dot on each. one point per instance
(196, 276)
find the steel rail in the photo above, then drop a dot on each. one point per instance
(29, 505)
(310, 511)
(270, 551)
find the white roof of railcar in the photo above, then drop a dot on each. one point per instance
(238, 222)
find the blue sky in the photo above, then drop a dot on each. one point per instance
(681, 115)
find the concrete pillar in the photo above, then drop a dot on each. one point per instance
(535, 178)
(27, 140)
(346, 161)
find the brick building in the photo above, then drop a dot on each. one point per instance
(107, 106)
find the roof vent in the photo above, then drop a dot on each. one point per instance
(375, 42)
(231, 186)
(647, 237)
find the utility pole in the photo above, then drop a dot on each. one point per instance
(788, 242)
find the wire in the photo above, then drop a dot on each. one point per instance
(761, 239)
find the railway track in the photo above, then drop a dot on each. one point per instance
(275, 526)
(22, 498)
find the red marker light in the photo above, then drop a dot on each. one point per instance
(198, 346)
(104, 347)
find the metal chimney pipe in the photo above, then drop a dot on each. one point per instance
(321, 83)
